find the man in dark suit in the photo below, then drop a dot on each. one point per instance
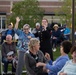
(44, 35)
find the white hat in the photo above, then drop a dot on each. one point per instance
(56, 25)
(37, 24)
(10, 53)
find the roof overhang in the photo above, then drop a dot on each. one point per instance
(53, 13)
(2, 13)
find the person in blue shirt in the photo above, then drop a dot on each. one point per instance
(9, 31)
(70, 66)
(24, 38)
(57, 65)
(66, 32)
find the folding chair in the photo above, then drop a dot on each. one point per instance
(2, 72)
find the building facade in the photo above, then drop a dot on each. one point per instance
(50, 6)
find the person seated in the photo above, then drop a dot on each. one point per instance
(66, 32)
(70, 66)
(56, 36)
(33, 56)
(36, 29)
(10, 31)
(8, 50)
(57, 65)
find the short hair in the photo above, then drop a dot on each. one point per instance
(33, 42)
(45, 19)
(26, 25)
(66, 46)
(73, 49)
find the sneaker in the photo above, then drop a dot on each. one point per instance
(54, 50)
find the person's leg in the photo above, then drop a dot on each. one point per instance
(13, 68)
(20, 63)
(54, 42)
(5, 61)
(54, 45)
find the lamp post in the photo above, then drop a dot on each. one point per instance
(73, 39)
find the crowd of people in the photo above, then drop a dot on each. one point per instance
(34, 49)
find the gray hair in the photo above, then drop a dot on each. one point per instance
(26, 25)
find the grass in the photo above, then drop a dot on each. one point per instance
(57, 53)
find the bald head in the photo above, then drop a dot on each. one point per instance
(8, 38)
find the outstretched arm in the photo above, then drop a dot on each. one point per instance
(17, 22)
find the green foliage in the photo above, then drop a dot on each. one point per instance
(28, 11)
(66, 9)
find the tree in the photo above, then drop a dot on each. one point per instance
(66, 9)
(28, 11)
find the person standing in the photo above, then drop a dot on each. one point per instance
(44, 36)
(24, 38)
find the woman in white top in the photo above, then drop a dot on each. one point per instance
(70, 66)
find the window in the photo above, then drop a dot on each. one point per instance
(2, 22)
(48, 0)
(51, 19)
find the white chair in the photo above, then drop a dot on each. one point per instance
(2, 72)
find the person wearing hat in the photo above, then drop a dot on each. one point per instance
(36, 29)
(37, 24)
(56, 25)
(56, 35)
(10, 31)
